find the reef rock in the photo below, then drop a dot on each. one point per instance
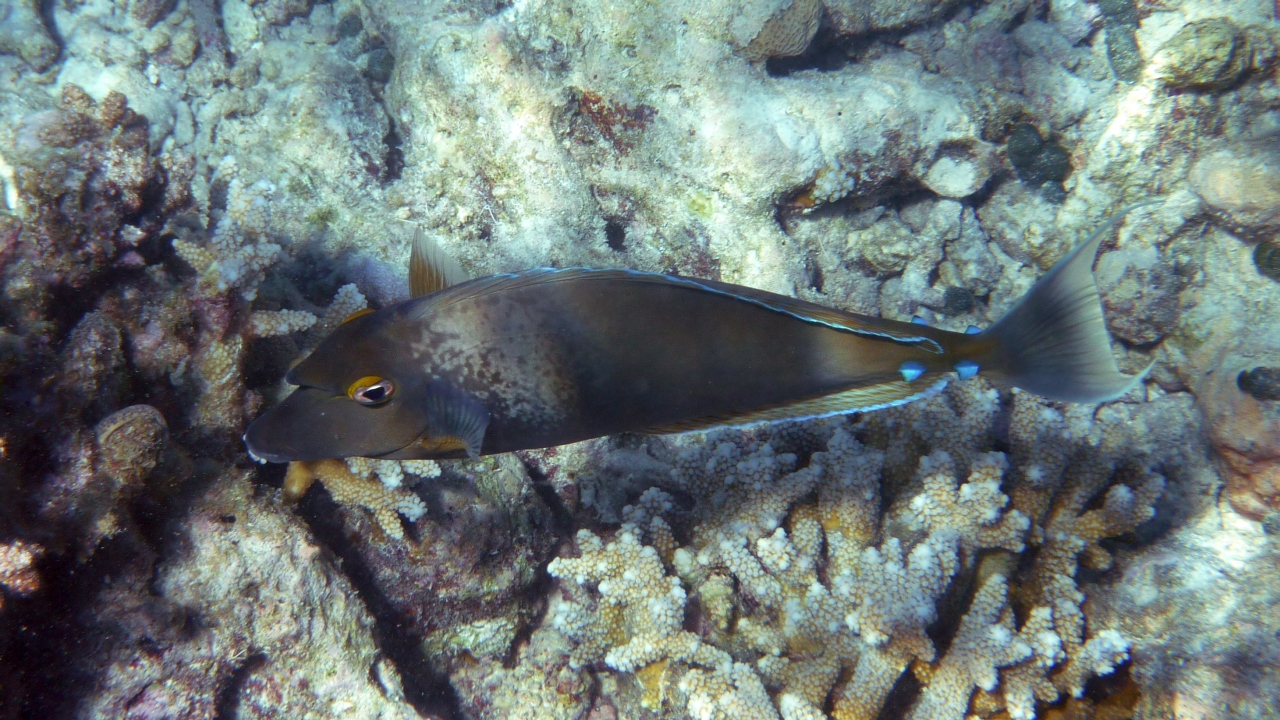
(1213, 54)
(1139, 293)
(251, 614)
(855, 17)
(1244, 428)
(1240, 186)
(23, 33)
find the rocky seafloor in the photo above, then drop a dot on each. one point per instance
(196, 191)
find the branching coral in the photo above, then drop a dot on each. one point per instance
(350, 484)
(238, 252)
(833, 600)
(231, 265)
(985, 642)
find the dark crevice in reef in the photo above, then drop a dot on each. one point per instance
(393, 158)
(615, 235)
(46, 8)
(58, 620)
(900, 699)
(428, 691)
(227, 706)
(561, 518)
(61, 635)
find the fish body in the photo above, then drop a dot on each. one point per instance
(553, 356)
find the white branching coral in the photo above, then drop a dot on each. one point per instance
(973, 511)
(832, 183)
(356, 489)
(270, 323)
(893, 596)
(640, 608)
(1071, 534)
(223, 400)
(958, 421)
(799, 578)
(892, 600)
(732, 693)
(347, 302)
(238, 253)
(985, 641)
(392, 472)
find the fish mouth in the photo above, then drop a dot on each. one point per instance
(317, 424)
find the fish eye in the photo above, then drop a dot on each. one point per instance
(371, 390)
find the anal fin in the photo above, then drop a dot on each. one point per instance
(859, 399)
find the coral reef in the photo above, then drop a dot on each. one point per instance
(195, 192)
(451, 559)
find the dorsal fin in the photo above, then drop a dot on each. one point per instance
(860, 324)
(430, 268)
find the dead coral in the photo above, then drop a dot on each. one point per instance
(87, 190)
(130, 442)
(600, 118)
(286, 623)
(454, 559)
(93, 376)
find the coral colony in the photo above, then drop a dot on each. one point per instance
(194, 194)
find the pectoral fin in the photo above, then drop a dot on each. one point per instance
(455, 420)
(430, 268)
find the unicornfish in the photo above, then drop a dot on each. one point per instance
(534, 359)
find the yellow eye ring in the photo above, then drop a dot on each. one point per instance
(371, 390)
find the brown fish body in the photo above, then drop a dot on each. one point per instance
(603, 352)
(548, 357)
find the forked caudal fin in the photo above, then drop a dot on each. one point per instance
(1054, 342)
